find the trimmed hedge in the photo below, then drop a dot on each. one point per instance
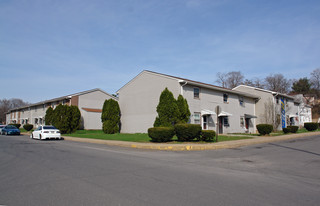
(311, 126)
(207, 135)
(161, 134)
(28, 127)
(16, 125)
(264, 129)
(188, 132)
(286, 130)
(293, 129)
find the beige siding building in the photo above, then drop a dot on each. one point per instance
(89, 103)
(269, 99)
(139, 98)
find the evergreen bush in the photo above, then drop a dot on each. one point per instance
(311, 126)
(16, 125)
(286, 130)
(161, 134)
(110, 117)
(28, 127)
(208, 135)
(264, 129)
(183, 110)
(293, 129)
(188, 132)
(167, 110)
(49, 116)
(75, 117)
(66, 118)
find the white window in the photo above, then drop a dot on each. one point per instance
(242, 122)
(196, 117)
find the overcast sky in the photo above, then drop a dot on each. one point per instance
(54, 48)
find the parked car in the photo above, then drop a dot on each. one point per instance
(46, 132)
(1, 127)
(10, 129)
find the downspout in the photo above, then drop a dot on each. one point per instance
(274, 110)
(181, 88)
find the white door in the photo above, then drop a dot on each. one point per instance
(205, 122)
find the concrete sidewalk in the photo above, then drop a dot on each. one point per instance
(194, 146)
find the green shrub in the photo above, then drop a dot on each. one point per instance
(208, 135)
(264, 129)
(167, 110)
(16, 125)
(110, 117)
(188, 132)
(110, 127)
(311, 126)
(65, 118)
(286, 130)
(28, 127)
(293, 129)
(161, 134)
(49, 116)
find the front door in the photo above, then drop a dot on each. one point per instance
(247, 123)
(205, 122)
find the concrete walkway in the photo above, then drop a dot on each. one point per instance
(195, 146)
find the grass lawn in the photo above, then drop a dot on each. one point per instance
(22, 130)
(139, 137)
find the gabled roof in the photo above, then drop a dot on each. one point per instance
(64, 97)
(195, 83)
(265, 90)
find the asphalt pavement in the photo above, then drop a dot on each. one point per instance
(34, 172)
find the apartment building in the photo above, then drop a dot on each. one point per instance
(89, 103)
(215, 108)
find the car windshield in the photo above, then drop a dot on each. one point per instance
(49, 127)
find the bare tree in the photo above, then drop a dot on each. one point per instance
(277, 83)
(271, 114)
(234, 79)
(7, 104)
(315, 79)
(222, 79)
(258, 83)
(230, 79)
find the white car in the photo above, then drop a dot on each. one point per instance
(46, 132)
(1, 126)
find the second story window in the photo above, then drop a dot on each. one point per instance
(196, 93)
(225, 98)
(241, 102)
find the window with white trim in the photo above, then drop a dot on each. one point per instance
(226, 121)
(196, 93)
(242, 122)
(241, 102)
(225, 98)
(196, 117)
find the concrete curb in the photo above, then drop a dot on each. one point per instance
(194, 146)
